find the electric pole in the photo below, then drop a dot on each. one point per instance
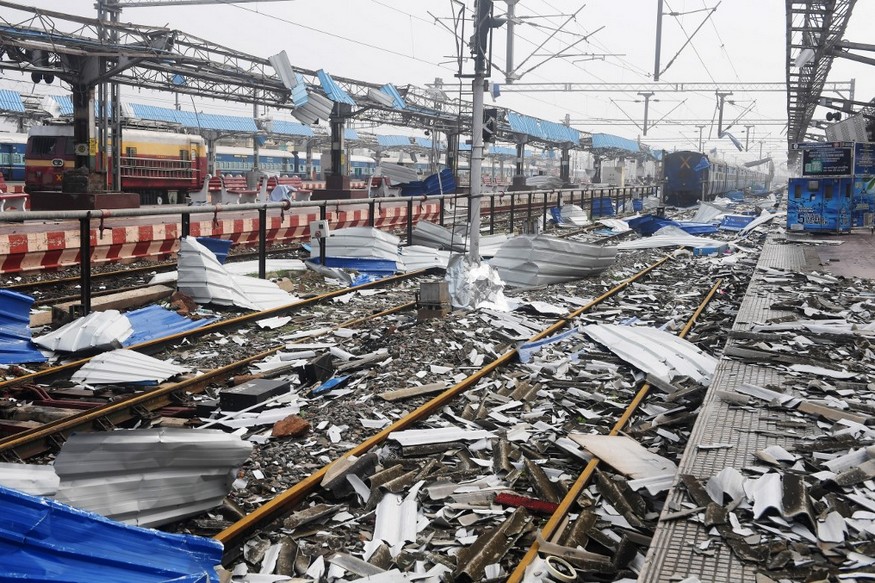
(721, 96)
(747, 138)
(700, 136)
(646, 95)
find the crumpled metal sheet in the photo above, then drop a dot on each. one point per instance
(542, 260)
(64, 544)
(153, 322)
(125, 367)
(15, 339)
(655, 352)
(149, 477)
(96, 331)
(202, 277)
(363, 242)
(474, 284)
(29, 478)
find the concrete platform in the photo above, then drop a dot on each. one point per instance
(673, 553)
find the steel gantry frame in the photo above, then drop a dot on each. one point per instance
(758, 86)
(814, 27)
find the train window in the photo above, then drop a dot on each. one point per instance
(43, 145)
(184, 155)
(4, 158)
(18, 158)
(130, 152)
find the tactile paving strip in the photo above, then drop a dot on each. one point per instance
(674, 552)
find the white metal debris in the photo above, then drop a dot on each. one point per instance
(654, 351)
(362, 242)
(202, 277)
(96, 331)
(474, 284)
(29, 478)
(417, 257)
(148, 477)
(626, 455)
(125, 367)
(438, 435)
(526, 261)
(396, 522)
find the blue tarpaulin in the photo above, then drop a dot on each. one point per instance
(442, 183)
(44, 540)
(154, 322)
(15, 344)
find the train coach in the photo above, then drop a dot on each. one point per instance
(156, 165)
(12, 147)
(692, 176)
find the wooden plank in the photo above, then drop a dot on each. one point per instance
(63, 313)
(399, 394)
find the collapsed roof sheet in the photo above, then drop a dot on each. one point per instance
(15, 340)
(96, 331)
(148, 477)
(655, 352)
(67, 545)
(543, 260)
(361, 242)
(202, 277)
(154, 322)
(125, 367)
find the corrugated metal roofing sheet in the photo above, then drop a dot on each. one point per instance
(423, 142)
(156, 322)
(332, 89)
(607, 141)
(15, 344)
(540, 128)
(502, 151)
(125, 367)
(290, 128)
(190, 119)
(11, 101)
(392, 92)
(96, 331)
(71, 545)
(148, 477)
(393, 141)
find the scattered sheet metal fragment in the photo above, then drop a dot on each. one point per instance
(125, 367)
(727, 482)
(396, 522)
(148, 477)
(448, 434)
(626, 455)
(96, 331)
(654, 351)
(766, 492)
(832, 529)
(31, 479)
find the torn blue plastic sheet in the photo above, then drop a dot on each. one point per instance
(381, 267)
(330, 385)
(44, 540)
(526, 350)
(154, 322)
(15, 344)
(735, 222)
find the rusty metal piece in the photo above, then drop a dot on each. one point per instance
(308, 515)
(577, 534)
(541, 483)
(490, 547)
(501, 457)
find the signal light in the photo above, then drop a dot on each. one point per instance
(837, 116)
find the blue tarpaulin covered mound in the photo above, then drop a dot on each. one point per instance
(44, 540)
(648, 224)
(15, 344)
(441, 183)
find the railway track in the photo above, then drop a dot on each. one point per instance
(422, 353)
(419, 462)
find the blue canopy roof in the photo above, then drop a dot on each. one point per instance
(190, 119)
(607, 141)
(541, 128)
(11, 101)
(390, 90)
(393, 141)
(290, 128)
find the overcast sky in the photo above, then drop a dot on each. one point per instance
(403, 41)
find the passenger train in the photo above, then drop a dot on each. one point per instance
(12, 156)
(692, 176)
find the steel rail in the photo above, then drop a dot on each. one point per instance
(557, 518)
(280, 505)
(38, 440)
